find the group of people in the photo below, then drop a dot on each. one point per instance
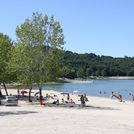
(68, 100)
(84, 99)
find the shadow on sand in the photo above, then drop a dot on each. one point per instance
(16, 113)
(98, 107)
(78, 106)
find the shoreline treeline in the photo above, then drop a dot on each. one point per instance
(90, 64)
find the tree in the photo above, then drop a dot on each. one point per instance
(38, 42)
(80, 73)
(6, 45)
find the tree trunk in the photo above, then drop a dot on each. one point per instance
(29, 98)
(0, 93)
(41, 97)
(5, 88)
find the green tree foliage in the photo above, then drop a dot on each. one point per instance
(87, 65)
(37, 54)
(6, 46)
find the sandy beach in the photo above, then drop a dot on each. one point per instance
(102, 116)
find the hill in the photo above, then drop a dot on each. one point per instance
(90, 64)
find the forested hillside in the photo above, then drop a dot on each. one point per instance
(86, 65)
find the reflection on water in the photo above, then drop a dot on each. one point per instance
(96, 88)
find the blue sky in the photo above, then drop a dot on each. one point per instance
(103, 27)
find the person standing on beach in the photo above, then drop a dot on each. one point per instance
(82, 99)
(68, 97)
(85, 98)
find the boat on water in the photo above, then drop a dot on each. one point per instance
(87, 81)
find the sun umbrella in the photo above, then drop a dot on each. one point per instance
(23, 92)
(36, 93)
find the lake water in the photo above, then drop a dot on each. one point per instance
(101, 88)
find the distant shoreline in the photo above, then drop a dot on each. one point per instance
(76, 80)
(66, 80)
(119, 78)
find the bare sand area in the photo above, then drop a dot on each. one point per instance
(102, 116)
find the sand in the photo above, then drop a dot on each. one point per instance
(104, 116)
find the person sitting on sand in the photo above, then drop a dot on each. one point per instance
(67, 102)
(118, 96)
(72, 102)
(62, 100)
(56, 102)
